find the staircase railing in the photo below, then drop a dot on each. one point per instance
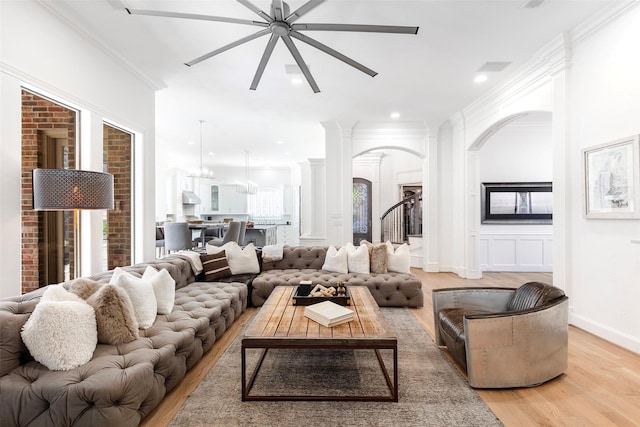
(402, 220)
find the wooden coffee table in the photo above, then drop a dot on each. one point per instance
(280, 324)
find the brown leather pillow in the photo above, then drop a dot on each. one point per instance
(215, 266)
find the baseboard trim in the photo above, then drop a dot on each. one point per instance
(619, 338)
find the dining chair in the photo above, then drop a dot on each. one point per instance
(231, 235)
(159, 242)
(243, 228)
(177, 236)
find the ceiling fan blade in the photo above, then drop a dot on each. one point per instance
(194, 16)
(332, 52)
(302, 10)
(355, 27)
(229, 46)
(263, 62)
(278, 10)
(256, 9)
(296, 55)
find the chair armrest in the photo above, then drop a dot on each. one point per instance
(489, 299)
(517, 349)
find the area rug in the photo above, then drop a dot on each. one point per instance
(431, 391)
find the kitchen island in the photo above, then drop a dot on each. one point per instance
(261, 235)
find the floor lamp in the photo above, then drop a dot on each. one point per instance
(72, 189)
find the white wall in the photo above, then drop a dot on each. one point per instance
(604, 105)
(589, 79)
(521, 151)
(43, 52)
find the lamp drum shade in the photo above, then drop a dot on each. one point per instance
(68, 189)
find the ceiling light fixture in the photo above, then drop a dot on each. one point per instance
(202, 172)
(394, 115)
(480, 78)
(281, 24)
(246, 187)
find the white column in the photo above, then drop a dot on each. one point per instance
(313, 202)
(472, 216)
(91, 158)
(561, 177)
(339, 183)
(430, 219)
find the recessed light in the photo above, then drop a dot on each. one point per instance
(296, 81)
(190, 142)
(280, 142)
(210, 153)
(480, 78)
(394, 115)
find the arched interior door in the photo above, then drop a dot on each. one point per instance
(361, 210)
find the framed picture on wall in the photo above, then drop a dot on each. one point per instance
(612, 179)
(517, 203)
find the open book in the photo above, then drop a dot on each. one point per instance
(328, 313)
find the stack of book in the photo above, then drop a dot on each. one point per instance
(328, 313)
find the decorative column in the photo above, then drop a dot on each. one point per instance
(430, 218)
(313, 202)
(339, 183)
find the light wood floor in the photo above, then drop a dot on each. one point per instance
(600, 388)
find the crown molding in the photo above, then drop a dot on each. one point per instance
(549, 60)
(56, 9)
(600, 20)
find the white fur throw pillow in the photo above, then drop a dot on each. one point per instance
(115, 316)
(241, 261)
(336, 260)
(164, 288)
(61, 332)
(141, 295)
(357, 258)
(398, 260)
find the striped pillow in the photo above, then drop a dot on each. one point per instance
(215, 266)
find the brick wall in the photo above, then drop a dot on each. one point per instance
(117, 157)
(41, 118)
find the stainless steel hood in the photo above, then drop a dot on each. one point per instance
(190, 198)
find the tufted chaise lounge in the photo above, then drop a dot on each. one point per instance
(305, 263)
(121, 384)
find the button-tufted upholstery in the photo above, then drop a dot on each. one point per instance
(123, 383)
(305, 263)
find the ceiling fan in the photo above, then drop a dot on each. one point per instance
(281, 24)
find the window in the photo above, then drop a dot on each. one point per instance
(266, 203)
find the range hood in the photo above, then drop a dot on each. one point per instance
(190, 198)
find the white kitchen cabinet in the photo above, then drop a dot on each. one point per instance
(230, 201)
(287, 235)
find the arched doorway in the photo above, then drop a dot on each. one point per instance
(362, 221)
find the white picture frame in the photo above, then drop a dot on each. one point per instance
(612, 179)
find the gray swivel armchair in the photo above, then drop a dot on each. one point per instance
(230, 235)
(177, 236)
(504, 337)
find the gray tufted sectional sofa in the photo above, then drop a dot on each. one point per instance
(121, 384)
(305, 263)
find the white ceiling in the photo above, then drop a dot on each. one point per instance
(425, 77)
